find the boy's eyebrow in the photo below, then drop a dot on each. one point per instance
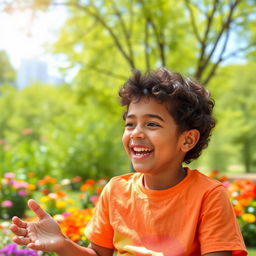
(147, 115)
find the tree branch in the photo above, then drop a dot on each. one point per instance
(220, 59)
(131, 18)
(103, 23)
(159, 39)
(225, 26)
(146, 46)
(125, 31)
(159, 36)
(238, 50)
(204, 41)
(192, 19)
(107, 72)
(111, 32)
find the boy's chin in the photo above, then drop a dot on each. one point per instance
(139, 169)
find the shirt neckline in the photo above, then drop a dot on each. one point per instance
(165, 192)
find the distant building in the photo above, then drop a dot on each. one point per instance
(34, 70)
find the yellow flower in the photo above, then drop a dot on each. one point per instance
(61, 204)
(71, 201)
(248, 217)
(44, 199)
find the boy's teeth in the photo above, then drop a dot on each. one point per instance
(140, 149)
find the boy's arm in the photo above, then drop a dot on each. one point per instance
(72, 248)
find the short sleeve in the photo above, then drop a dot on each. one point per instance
(99, 230)
(218, 227)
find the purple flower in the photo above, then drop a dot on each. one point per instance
(7, 204)
(9, 249)
(13, 250)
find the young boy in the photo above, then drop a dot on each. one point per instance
(162, 208)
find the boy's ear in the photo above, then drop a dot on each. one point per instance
(189, 139)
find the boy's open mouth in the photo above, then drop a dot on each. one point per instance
(141, 151)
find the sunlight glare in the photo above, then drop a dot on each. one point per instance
(24, 36)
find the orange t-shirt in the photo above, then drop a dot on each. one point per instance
(194, 217)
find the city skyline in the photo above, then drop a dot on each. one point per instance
(24, 38)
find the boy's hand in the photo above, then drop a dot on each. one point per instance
(44, 235)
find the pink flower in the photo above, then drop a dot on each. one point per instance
(94, 199)
(9, 175)
(226, 184)
(66, 214)
(7, 204)
(20, 184)
(22, 192)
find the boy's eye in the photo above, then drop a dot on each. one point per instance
(129, 125)
(152, 124)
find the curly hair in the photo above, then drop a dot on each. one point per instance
(187, 101)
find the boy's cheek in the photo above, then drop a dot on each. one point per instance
(125, 141)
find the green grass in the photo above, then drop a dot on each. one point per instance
(251, 251)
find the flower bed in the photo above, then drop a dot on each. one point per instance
(73, 220)
(243, 198)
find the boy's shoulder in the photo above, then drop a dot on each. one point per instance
(123, 182)
(194, 183)
(202, 181)
(125, 178)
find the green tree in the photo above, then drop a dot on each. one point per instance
(7, 72)
(46, 130)
(191, 36)
(234, 138)
(243, 105)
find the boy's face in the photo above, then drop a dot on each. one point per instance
(151, 139)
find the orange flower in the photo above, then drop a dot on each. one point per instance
(45, 191)
(7, 147)
(46, 180)
(31, 175)
(61, 194)
(238, 209)
(76, 179)
(56, 186)
(99, 190)
(31, 187)
(214, 173)
(81, 196)
(90, 182)
(27, 131)
(74, 224)
(223, 178)
(85, 187)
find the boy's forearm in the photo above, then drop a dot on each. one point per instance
(72, 248)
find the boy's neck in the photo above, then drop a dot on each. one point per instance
(161, 182)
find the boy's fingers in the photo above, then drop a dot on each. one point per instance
(18, 231)
(36, 246)
(21, 240)
(18, 222)
(35, 207)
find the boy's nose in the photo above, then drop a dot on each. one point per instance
(137, 133)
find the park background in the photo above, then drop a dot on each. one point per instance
(60, 122)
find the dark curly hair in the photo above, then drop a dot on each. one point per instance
(187, 101)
